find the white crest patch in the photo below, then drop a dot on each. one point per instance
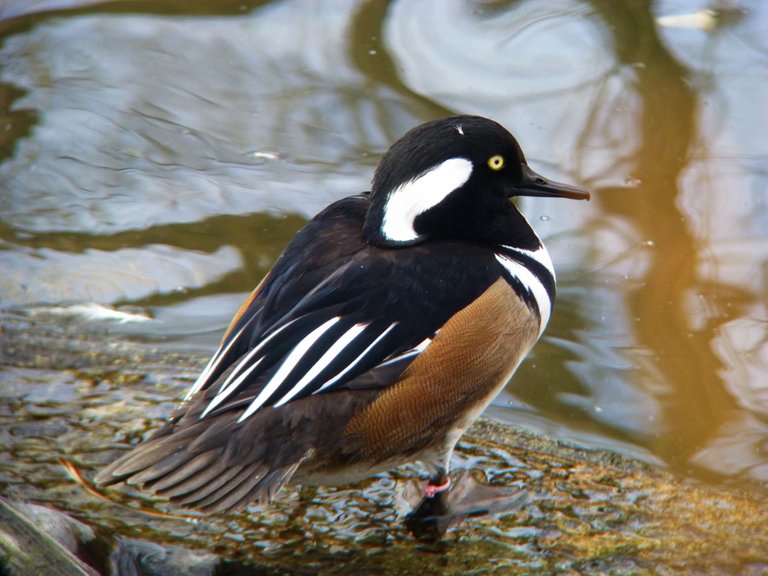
(460, 129)
(416, 196)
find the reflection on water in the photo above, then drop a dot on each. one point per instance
(162, 161)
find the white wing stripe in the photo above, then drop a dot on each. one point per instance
(354, 363)
(212, 365)
(416, 350)
(245, 361)
(325, 359)
(532, 284)
(288, 364)
(224, 393)
(235, 378)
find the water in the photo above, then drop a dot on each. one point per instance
(156, 159)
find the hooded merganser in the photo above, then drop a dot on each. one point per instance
(384, 329)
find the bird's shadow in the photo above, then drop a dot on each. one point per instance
(431, 517)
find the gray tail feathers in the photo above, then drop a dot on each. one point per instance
(213, 468)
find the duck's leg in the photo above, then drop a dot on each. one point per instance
(439, 463)
(437, 484)
(428, 521)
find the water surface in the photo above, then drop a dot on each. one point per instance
(156, 157)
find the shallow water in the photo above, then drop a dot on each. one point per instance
(156, 159)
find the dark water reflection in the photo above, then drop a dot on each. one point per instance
(160, 157)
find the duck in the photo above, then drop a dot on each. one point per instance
(383, 330)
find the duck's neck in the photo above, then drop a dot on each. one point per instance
(526, 265)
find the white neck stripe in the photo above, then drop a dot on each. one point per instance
(541, 255)
(416, 196)
(532, 284)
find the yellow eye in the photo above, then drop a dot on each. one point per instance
(496, 162)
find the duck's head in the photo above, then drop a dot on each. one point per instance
(451, 179)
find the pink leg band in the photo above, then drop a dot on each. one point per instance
(431, 490)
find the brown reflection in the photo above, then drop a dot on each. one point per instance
(259, 237)
(696, 401)
(14, 124)
(371, 57)
(11, 9)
